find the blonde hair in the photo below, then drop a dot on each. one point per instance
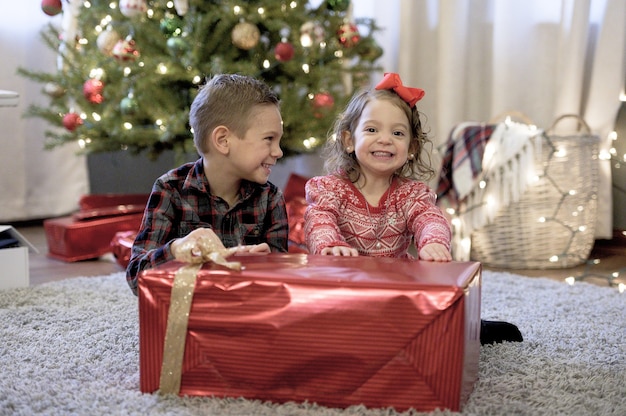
(338, 161)
(226, 99)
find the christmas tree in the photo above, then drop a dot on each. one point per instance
(128, 70)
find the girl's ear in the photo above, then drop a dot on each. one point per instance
(220, 139)
(346, 140)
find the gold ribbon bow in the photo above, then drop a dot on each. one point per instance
(392, 81)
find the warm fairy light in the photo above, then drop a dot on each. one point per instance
(582, 228)
(451, 211)
(560, 152)
(305, 68)
(158, 122)
(261, 11)
(266, 64)
(570, 280)
(150, 13)
(554, 259)
(482, 184)
(237, 10)
(456, 222)
(113, 5)
(96, 73)
(572, 192)
(604, 155)
(83, 41)
(128, 126)
(310, 142)
(87, 5)
(542, 219)
(127, 71)
(81, 143)
(613, 135)
(96, 116)
(338, 54)
(162, 68)
(621, 287)
(169, 4)
(293, 4)
(197, 79)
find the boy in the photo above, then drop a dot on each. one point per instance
(223, 199)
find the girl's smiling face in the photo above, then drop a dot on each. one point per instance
(381, 139)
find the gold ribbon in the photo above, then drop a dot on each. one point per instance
(176, 331)
(178, 320)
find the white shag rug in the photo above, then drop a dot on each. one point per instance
(71, 348)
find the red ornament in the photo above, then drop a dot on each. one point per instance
(348, 35)
(92, 89)
(51, 7)
(322, 102)
(284, 51)
(71, 121)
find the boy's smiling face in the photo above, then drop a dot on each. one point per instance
(254, 154)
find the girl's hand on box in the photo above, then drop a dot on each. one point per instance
(340, 251)
(435, 252)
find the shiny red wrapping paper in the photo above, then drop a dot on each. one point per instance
(338, 331)
(122, 246)
(72, 240)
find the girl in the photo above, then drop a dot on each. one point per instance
(371, 203)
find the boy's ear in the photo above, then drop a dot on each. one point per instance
(219, 139)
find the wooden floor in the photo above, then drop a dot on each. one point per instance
(607, 258)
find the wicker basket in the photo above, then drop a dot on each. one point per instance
(552, 225)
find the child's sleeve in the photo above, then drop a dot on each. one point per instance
(425, 218)
(322, 213)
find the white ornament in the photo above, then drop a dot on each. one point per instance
(107, 40)
(181, 7)
(132, 8)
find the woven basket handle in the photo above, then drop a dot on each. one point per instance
(582, 124)
(513, 115)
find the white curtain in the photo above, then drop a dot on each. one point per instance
(35, 183)
(479, 58)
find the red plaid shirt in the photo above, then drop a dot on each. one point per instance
(181, 201)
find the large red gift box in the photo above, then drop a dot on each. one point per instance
(87, 233)
(338, 331)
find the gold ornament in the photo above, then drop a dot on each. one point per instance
(245, 35)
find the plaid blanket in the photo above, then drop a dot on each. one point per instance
(462, 163)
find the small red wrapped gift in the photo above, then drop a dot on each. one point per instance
(87, 233)
(338, 331)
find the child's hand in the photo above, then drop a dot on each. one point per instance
(198, 246)
(340, 251)
(435, 252)
(262, 248)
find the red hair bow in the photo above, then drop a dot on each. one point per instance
(392, 81)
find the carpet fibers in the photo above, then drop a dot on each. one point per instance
(71, 348)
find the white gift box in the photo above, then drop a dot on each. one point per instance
(14, 270)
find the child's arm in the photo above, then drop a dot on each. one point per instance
(431, 229)
(323, 235)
